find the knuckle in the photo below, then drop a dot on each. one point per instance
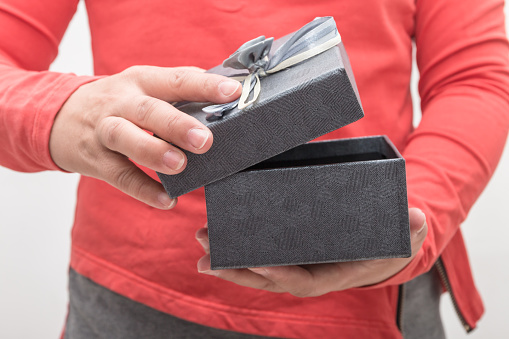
(209, 85)
(134, 71)
(144, 109)
(127, 180)
(177, 78)
(269, 286)
(304, 292)
(143, 151)
(173, 122)
(110, 131)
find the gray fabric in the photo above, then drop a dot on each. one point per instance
(98, 313)
(339, 200)
(251, 54)
(421, 308)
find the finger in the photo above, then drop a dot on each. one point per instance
(122, 136)
(418, 229)
(368, 272)
(193, 68)
(203, 238)
(179, 84)
(124, 175)
(330, 277)
(294, 279)
(242, 277)
(166, 122)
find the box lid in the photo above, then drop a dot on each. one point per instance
(295, 105)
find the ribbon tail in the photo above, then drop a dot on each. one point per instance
(306, 55)
(251, 84)
(246, 91)
(216, 112)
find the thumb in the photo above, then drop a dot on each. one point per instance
(418, 229)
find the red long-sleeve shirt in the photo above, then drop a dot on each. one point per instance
(150, 255)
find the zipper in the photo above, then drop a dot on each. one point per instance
(399, 312)
(445, 280)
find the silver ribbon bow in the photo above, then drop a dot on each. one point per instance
(312, 39)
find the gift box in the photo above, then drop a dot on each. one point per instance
(320, 202)
(294, 105)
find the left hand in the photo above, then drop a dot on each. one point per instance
(318, 279)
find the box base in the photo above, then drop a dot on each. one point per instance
(333, 201)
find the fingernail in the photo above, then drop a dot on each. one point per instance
(173, 160)
(203, 267)
(423, 216)
(197, 137)
(206, 271)
(422, 227)
(209, 272)
(259, 270)
(204, 243)
(228, 87)
(166, 201)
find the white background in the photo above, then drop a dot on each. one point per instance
(36, 214)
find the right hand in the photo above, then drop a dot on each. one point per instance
(101, 125)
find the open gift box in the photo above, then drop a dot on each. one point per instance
(330, 201)
(271, 198)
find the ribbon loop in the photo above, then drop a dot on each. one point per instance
(312, 39)
(251, 55)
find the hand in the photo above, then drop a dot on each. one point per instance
(101, 125)
(318, 279)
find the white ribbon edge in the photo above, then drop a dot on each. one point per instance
(246, 89)
(306, 55)
(285, 64)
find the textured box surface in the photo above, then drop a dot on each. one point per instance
(295, 105)
(320, 202)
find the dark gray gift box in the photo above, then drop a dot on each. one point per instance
(296, 105)
(320, 202)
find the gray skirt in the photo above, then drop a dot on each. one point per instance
(96, 312)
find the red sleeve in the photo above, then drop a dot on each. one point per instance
(30, 96)
(462, 54)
